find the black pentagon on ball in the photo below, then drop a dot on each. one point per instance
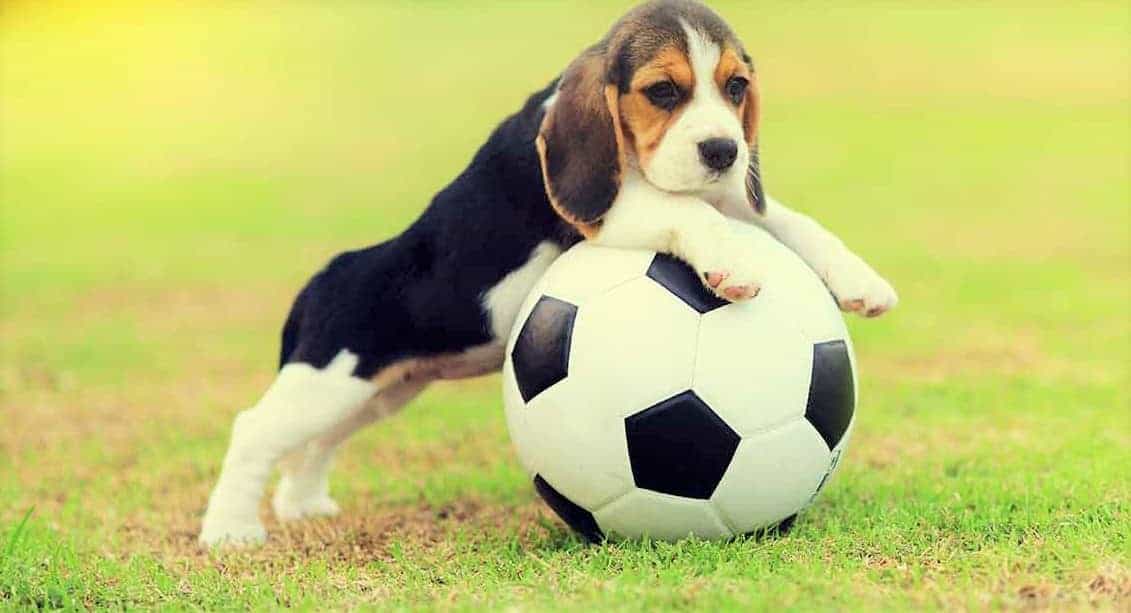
(832, 393)
(679, 447)
(680, 279)
(541, 352)
(574, 516)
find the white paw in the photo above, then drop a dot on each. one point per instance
(290, 509)
(858, 288)
(231, 532)
(300, 498)
(728, 270)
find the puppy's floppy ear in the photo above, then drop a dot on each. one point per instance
(581, 144)
(750, 113)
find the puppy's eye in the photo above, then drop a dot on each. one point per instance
(736, 89)
(663, 94)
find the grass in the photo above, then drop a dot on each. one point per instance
(171, 174)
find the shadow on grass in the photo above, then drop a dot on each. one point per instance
(374, 534)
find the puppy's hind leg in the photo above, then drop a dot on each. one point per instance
(304, 403)
(304, 490)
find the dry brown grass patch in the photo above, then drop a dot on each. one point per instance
(1110, 583)
(357, 537)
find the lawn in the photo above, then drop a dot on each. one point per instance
(169, 176)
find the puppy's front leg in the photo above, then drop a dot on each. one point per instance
(642, 217)
(856, 286)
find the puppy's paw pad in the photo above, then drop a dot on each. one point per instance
(737, 293)
(734, 286)
(714, 279)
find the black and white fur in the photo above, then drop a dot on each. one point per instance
(375, 326)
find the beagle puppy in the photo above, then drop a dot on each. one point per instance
(648, 140)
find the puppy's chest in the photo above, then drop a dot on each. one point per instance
(502, 302)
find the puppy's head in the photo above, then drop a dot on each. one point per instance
(669, 91)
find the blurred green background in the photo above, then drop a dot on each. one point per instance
(170, 173)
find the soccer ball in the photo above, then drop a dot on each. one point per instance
(644, 406)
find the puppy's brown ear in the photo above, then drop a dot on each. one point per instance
(581, 145)
(750, 113)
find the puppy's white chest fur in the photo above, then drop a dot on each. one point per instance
(503, 301)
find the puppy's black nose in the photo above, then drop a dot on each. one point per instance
(718, 153)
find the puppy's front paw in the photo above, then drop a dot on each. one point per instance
(727, 269)
(858, 288)
(719, 282)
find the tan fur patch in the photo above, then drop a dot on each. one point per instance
(731, 65)
(750, 111)
(646, 123)
(613, 102)
(476, 361)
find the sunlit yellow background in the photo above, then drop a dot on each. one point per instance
(170, 173)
